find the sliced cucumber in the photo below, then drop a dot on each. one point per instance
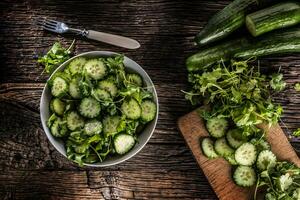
(217, 126)
(148, 110)
(222, 148)
(109, 86)
(110, 124)
(135, 79)
(74, 88)
(265, 160)
(246, 154)
(231, 159)
(76, 66)
(74, 121)
(123, 143)
(89, 107)
(57, 106)
(59, 87)
(131, 109)
(208, 150)
(244, 176)
(234, 138)
(100, 94)
(95, 69)
(92, 127)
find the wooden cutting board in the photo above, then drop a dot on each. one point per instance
(218, 171)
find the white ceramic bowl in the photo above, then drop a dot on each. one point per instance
(143, 137)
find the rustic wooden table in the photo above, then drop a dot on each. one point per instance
(165, 169)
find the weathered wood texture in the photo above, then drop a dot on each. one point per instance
(165, 169)
(219, 171)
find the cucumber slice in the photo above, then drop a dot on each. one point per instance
(135, 79)
(222, 148)
(95, 69)
(109, 86)
(74, 88)
(244, 176)
(92, 127)
(131, 109)
(208, 150)
(123, 143)
(265, 160)
(110, 124)
(74, 121)
(89, 107)
(59, 87)
(246, 154)
(100, 95)
(217, 126)
(57, 106)
(148, 110)
(76, 66)
(234, 138)
(231, 159)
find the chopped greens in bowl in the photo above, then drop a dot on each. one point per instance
(99, 108)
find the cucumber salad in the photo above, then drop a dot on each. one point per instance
(98, 108)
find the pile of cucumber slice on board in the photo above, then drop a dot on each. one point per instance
(98, 108)
(247, 154)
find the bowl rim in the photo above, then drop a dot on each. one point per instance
(122, 158)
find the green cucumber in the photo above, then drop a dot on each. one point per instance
(208, 150)
(74, 88)
(74, 121)
(131, 109)
(148, 110)
(277, 42)
(92, 127)
(245, 154)
(135, 79)
(211, 55)
(89, 107)
(58, 106)
(222, 148)
(234, 138)
(231, 159)
(228, 20)
(217, 127)
(123, 143)
(265, 159)
(95, 69)
(76, 65)
(275, 17)
(244, 176)
(111, 124)
(59, 87)
(100, 94)
(109, 86)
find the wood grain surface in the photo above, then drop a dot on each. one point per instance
(165, 169)
(219, 171)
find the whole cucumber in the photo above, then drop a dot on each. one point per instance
(278, 16)
(228, 20)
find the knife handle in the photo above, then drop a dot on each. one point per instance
(113, 39)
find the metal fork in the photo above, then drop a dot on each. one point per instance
(60, 27)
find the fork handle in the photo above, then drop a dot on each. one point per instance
(113, 39)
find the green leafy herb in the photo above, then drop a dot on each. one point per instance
(282, 182)
(296, 133)
(55, 56)
(277, 82)
(237, 91)
(297, 87)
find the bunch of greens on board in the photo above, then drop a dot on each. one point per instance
(237, 91)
